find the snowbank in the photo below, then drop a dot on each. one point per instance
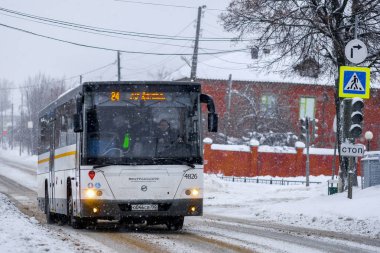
(296, 205)
(219, 68)
(19, 233)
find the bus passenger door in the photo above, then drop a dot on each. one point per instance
(75, 184)
(52, 180)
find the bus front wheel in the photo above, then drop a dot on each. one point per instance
(175, 223)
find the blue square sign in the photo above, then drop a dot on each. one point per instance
(354, 82)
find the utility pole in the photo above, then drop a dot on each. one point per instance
(118, 66)
(21, 122)
(227, 121)
(2, 125)
(80, 79)
(194, 62)
(12, 134)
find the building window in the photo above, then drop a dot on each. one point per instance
(268, 104)
(307, 107)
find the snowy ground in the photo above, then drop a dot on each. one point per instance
(296, 205)
(292, 205)
(20, 233)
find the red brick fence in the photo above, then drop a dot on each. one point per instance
(255, 160)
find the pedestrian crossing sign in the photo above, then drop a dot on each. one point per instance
(354, 82)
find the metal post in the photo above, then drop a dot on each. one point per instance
(350, 174)
(356, 27)
(334, 161)
(307, 151)
(227, 121)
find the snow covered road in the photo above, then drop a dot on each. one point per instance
(211, 233)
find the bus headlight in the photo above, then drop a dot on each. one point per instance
(193, 192)
(90, 193)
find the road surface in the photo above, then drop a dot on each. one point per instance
(210, 233)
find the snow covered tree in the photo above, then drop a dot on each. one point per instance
(261, 114)
(317, 30)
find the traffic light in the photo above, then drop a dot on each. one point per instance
(304, 126)
(356, 118)
(314, 129)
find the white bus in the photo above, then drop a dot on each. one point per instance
(123, 153)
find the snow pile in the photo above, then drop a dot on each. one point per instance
(19, 233)
(296, 205)
(24, 158)
(219, 68)
(26, 173)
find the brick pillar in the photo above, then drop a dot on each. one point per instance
(254, 159)
(207, 156)
(299, 168)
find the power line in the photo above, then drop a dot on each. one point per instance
(111, 49)
(98, 33)
(17, 88)
(166, 5)
(217, 67)
(66, 79)
(91, 71)
(113, 31)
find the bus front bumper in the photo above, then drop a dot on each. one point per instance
(117, 210)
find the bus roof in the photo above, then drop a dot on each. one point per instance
(72, 93)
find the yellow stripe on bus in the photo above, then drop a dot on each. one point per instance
(65, 154)
(58, 156)
(43, 160)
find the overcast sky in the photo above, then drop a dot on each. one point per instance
(23, 55)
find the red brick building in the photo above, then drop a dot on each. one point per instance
(289, 97)
(319, 100)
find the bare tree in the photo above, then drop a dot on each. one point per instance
(160, 74)
(5, 103)
(309, 29)
(41, 90)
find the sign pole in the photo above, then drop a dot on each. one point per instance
(307, 151)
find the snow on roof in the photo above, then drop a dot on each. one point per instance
(240, 65)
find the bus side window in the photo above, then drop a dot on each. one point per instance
(44, 144)
(65, 125)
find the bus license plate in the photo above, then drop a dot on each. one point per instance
(145, 207)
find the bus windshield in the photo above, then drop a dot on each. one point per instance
(141, 128)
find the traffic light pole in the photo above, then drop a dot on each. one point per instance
(352, 117)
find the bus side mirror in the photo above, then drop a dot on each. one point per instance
(78, 123)
(213, 122)
(212, 116)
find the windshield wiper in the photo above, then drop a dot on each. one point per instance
(176, 160)
(104, 165)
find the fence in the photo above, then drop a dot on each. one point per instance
(255, 160)
(265, 181)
